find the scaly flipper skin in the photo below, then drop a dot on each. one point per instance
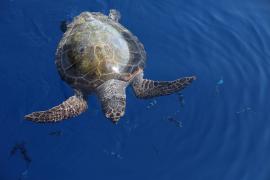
(112, 95)
(145, 89)
(73, 106)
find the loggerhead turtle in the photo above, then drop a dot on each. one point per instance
(97, 55)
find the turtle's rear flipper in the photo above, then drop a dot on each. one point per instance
(114, 15)
(144, 88)
(63, 26)
(73, 106)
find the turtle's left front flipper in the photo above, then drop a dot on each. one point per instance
(73, 106)
(145, 89)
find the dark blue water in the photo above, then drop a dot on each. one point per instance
(219, 128)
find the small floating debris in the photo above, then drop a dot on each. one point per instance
(56, 133)
(156, 150)
(181, 99)
(113, 154)
(151, 104)
(173, 120)
(242, 111)
(24, 175)
(116, 155)
(23, 151)
(219, 83)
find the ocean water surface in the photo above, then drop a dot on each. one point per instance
(217, 128)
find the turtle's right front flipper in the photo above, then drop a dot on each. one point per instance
(145, 88)
(73, 106)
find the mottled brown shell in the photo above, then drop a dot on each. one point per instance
(95, 49)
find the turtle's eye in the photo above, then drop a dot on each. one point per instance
(81, 50)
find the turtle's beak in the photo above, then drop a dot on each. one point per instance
(114, 118)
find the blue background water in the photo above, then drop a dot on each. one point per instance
(223, 122)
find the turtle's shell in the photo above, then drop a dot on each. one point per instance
(95, 49)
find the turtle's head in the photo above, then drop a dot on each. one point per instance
(114, 108)
(112, 96)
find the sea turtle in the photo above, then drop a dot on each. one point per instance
(97, 55)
